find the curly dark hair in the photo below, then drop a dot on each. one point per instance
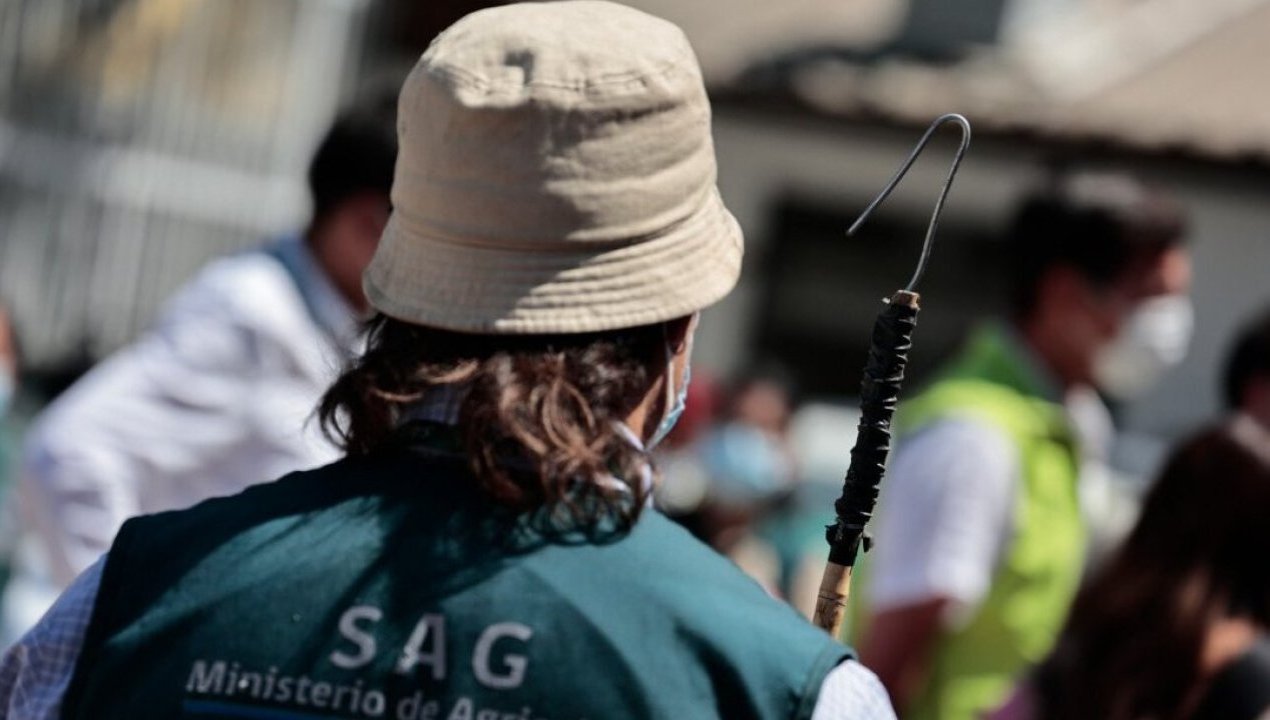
(538, 418)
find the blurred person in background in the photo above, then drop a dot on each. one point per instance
(1177, 625)
(1246, 382)
(486, 548)
(8, 388)
(980, 538)
(10, 365)
(221, 391)
(747, 471)
(685, 480)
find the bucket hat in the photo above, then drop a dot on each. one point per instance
(556, 174)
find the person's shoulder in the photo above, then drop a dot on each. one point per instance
(983, 415)
(654, 528)
(962, 435)
(216, 324)
(295, 493)
(951, 447)
(235, 287)
(657, 548)
(240, 311)
(715, 605)
(669, 558)
(302, 494)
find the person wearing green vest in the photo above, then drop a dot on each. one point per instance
(980, 538)
(485, 550)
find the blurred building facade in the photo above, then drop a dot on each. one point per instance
(139, 137)
(816, 104)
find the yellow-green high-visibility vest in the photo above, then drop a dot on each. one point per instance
(974, 667)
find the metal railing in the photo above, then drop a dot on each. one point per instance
(139, 138)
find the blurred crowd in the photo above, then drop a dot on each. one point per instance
(1015, 573)
(1001, 499)
(995, 510)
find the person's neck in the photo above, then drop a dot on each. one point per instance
(1050, 349)
(647, 413)
(316, 239)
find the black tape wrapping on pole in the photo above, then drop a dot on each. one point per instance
(879, 394)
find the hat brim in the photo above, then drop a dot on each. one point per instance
(481, 288)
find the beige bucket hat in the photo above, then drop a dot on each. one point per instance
(556, 174)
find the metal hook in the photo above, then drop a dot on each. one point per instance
(939, 204)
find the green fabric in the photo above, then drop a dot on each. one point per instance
(309, 593)
(974, 668)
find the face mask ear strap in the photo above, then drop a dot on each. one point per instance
(668, 397)
(671, 352)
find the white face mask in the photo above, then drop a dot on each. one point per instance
(1153, 339)
(675, 402)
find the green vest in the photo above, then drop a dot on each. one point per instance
(381, 587)
(974, 668)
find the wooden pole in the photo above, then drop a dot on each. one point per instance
(831, 601)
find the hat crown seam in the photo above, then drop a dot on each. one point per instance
(456, 76)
